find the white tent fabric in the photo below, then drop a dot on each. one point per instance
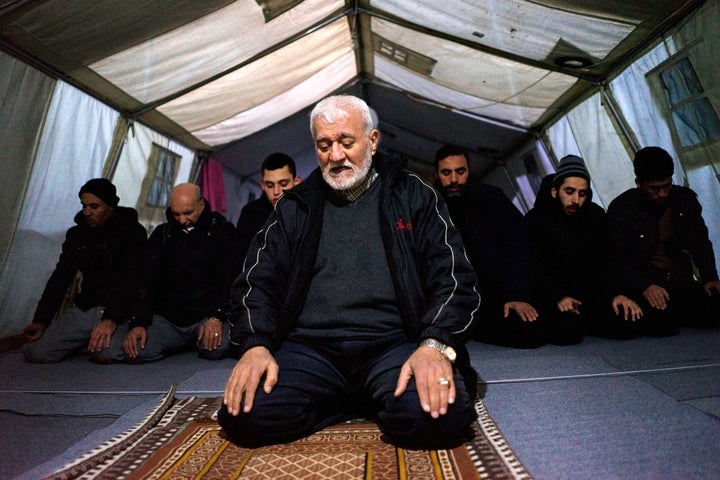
(211, 78)
(68, 154)
(586, 130)
(210, 44)
(24, 92)
(286, 103)
(607, 160)
(535, 31)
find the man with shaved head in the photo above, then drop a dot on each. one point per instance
(182, 301)
(355, 301)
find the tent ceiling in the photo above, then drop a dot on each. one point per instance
(210, 73)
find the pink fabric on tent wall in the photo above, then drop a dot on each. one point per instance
(213, 185)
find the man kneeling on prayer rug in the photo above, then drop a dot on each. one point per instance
(356, 300)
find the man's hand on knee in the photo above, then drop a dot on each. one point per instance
(246, 376)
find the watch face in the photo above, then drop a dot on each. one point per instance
(450, 353)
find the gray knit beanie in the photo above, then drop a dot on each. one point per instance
(570, 166)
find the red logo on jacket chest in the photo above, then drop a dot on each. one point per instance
(401, 225)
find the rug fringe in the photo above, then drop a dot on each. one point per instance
(116, 444)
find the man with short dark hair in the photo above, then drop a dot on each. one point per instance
(661, 234)
(357, 302)
(106, 247)
(278, 174)
(578, 278)
(494, 235)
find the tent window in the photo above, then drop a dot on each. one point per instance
(274, 8)
(694, 118)
(165, 161)
(407, 58)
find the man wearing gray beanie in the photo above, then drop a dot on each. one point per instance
(660, 232)
(576, 269)
(106, 247)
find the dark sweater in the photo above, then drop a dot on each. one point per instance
(362, 305)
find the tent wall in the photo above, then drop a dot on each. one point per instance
(25, 94)
(57, 138)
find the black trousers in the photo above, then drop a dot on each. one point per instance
(596, 318)
(324, 385)
(494, 328)
(689, 306)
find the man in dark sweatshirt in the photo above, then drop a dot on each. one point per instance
(106, 247)
(659, 229)
(493, 232)
(578, 276)
(278, 175)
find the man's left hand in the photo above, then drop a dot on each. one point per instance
(431, 370)
(101, 334)
(628, 307)
(210, 333)
(526, 311)
(710, 286)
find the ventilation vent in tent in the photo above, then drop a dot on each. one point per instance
(407, 58)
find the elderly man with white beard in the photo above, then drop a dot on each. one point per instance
(356, 302)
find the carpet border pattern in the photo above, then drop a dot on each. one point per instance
(489, 452)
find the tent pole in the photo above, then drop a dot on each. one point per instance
(516, 189)
(619, 120)
(118, 151)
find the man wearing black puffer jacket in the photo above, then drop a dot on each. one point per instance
(185, 290)
(106, 247)
(659, 229)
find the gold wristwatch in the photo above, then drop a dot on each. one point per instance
(446, 350)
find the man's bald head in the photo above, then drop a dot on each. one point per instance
(186, 204)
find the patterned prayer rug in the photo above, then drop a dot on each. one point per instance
(180, 438)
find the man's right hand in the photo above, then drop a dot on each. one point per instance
(246, 376)
(569, 304)
(133, 337)
(656, 296)
(34, 331)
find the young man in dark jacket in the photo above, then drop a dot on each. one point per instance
(578, 278)
(106, 247)
(359, 302)
(659, 229)
(278, 174)
(494, 235)
(183, 297)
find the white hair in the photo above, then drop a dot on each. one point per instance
(334, 108)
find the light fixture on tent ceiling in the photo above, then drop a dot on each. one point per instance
(572, 62)
(566, 55)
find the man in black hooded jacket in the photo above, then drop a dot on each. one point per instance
(106, 247)
(494, 236)
(578, 277)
